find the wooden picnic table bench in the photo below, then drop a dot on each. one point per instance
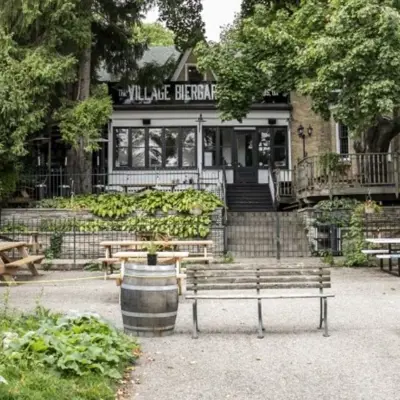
(389, 253)
(9, 265)
(126, 186)
(212, 279)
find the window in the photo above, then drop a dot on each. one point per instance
(343, 139)
(139, 148)
(210, 147)
(193, 75)
(280, 148)
(223, 146)
(122, 147)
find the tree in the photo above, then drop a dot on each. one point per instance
(154, 34)
(344, 54)
(50, 51)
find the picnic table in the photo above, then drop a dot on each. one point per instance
(9, 264)
(126, 186)
(390, 242)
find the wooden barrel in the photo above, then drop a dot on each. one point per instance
(149, 299)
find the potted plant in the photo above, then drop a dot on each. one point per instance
(196, 209)
(152, 254)
(370, 207)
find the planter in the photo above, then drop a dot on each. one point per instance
(172, 212)
(369, 210)
(149, 313)
(152, 259)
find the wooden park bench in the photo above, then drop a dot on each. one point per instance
(217, 278)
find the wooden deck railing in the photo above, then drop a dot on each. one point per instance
(348, 174)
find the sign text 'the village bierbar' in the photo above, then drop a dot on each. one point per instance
(176, 92)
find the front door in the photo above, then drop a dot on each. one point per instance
(245, 163)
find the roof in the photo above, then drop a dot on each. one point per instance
(157, 54)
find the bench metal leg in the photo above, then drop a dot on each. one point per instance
(195, 323)
(326, 334)
(321, 313)
(260, 323)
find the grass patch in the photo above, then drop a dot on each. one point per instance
(47, 356)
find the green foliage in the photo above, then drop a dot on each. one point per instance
(335, 212)
(55, 249)
(85, 120)
(332, 163)
(153, 34)
(344, 54)
(354, 240)
(228, 258)
(8, 182)
(119, 206)
(46, 356)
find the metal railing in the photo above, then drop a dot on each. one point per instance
(64, 184)
(348, 173)
(284, 181)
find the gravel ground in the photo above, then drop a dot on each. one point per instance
(360, 360)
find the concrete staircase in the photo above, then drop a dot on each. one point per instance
(253, 234)
(249, 197)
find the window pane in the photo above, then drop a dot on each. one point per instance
(343, 139)
(189, 147)
(280, 156)
(171, 147)
(210, 147)
(226, 146)
(155, 147)
(121, 147)
(264, 147)
(138, 147)
(280, 137)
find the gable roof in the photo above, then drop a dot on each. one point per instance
(157, 54)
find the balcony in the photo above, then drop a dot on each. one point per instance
(347, 175)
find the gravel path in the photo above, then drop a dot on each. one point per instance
(360, 360)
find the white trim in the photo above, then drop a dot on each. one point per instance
(289, 144)
(181, 64)
(187, 72)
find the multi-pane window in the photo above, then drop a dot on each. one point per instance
(193, 75)
(138, 148)
(343, 139)
(228, 147)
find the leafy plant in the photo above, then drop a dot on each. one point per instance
(152, 249)
(332, 163)
(55, 249)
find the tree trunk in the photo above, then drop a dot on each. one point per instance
(80, 161)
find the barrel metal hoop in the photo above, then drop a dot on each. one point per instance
(142, 328)
(171, 276)
(149, 315)
(150, 288)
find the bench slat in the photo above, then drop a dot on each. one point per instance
(255, 297)
(388, 256)
(26, 260)
(212, 272)
(240, 286)
(382, 251)
(255, 280)
(229, 267)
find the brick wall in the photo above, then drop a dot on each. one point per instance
(323, 137)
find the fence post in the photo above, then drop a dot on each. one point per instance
(278, 235)
(74, 239)
(396, 173)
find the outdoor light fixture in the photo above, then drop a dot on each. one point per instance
(302, 135)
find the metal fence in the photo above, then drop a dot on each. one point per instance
(79, 239)
(61, 183)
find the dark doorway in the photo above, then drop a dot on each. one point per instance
(245, 157)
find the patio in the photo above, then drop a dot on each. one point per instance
(293, 361)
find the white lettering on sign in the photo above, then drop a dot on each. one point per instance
(176, 92)
(182, 92)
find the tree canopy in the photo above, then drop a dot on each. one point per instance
(154, 34)
(344, 54)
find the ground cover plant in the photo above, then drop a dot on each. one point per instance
(47, 356)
